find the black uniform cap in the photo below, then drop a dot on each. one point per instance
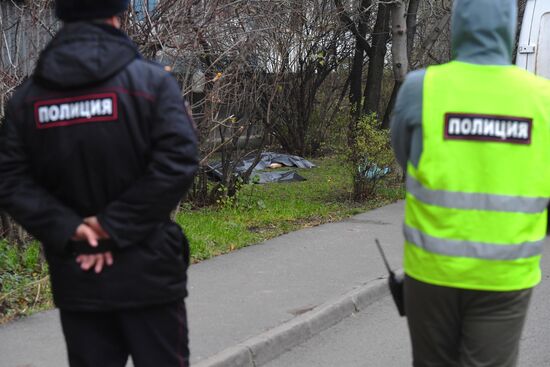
(75, 10)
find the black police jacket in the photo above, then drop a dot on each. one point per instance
(99, 131)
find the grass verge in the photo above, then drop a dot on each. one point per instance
(259, 212)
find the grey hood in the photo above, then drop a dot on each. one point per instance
(483, 31)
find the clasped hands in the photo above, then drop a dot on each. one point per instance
(91, 231)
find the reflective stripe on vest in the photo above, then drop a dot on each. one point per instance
(478, 250)
(463, 200)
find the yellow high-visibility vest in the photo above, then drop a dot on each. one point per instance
(475, 214)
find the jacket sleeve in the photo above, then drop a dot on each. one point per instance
(31, 205)
(406, 121)
(173, 163)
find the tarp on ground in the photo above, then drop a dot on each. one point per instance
(277, 176)
(267, 159)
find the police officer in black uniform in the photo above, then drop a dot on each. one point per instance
(95, 152)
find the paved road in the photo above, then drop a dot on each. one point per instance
(377, 337)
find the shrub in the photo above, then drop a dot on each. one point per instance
(369, 154)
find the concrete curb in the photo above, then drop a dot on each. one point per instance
(267, 346)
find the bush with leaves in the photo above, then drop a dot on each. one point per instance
(369, 153)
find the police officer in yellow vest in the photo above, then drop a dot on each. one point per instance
(474, 138)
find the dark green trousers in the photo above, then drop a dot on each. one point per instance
(452, 327)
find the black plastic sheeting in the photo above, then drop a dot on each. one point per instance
(278, 176)
(267, 159)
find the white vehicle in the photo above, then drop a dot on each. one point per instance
(534, 44)
(534, 41)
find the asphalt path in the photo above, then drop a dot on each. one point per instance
(378, 337)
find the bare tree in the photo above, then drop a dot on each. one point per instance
(371, 41)
(312, 49)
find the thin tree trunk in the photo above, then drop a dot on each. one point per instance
(391, 105)
(399, 41)
(412, 16)
(356, 73)
(399, 54)
(377, 56)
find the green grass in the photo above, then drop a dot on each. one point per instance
(24, 284)
(261, 212)
(258, 213)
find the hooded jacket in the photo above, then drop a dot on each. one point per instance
(482, 32)
(99, 131)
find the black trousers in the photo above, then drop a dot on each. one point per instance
(453, 327)
(154, 337)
